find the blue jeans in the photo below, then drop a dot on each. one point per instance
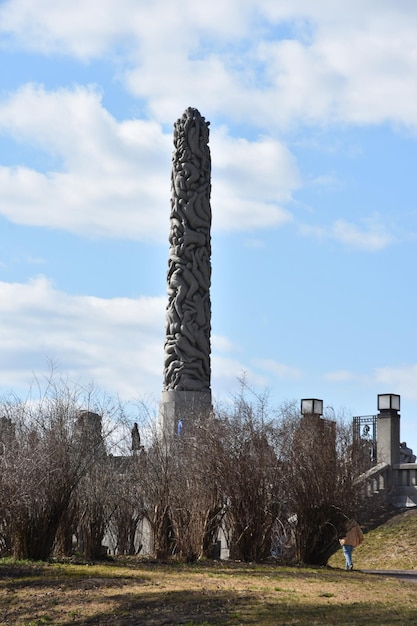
(347, 551)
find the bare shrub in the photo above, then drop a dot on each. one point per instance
(194, 497)
(42, 465)
(318, 480)
(249, 475)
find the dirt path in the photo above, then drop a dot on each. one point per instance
(408, 575)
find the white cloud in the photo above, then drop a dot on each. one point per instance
(265, 62)
(371, 235)
(340, 376)
(375, 237)
(111, 172)
(343, 64)
(251, 182)
(81, 29)
(375, 64)
(318, 232)
(395, 379)
(117, 343)
(223, 344)
(87, 30)
(279, 370)
(401, 380)
(111, 178)
(227, 372)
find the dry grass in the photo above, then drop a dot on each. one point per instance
(133, 592)
(391, 546)
(221, 593)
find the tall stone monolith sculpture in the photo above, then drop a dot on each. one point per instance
(186, 389)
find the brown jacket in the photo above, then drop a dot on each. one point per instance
(354, 537)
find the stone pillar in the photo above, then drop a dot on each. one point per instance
(388, 429)
(178, 407)
(187, 372)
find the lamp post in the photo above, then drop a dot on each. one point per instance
(388, 428)
(312, 411)
(312, 406)
(321, 432)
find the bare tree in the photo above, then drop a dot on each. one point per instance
(39, 474)
(318, 473)
(125, 504)
(157, 486)
(42, 465)
(262, 478)
(180, 499)
(250, 477)
(194, 499)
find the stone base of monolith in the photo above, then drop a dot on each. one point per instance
(177, 409)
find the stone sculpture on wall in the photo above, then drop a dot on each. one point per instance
(135, 438)
(188, 315)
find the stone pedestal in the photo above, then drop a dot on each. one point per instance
(177, 408)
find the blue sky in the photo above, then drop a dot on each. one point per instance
(314, 145)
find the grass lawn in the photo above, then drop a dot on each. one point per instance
(141, 593)
(131, 591)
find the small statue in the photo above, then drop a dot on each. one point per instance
(135, 438)
(406, 454)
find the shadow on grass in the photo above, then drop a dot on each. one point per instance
(231, 609)
(19, 577)
(170, 608)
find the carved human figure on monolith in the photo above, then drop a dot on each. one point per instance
(188, 318)
(187, 370)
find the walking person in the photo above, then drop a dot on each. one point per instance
(352, 539)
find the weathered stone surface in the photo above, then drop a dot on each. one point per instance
(188, 315)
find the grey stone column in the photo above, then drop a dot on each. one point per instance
(187, 371)
(388, 444)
